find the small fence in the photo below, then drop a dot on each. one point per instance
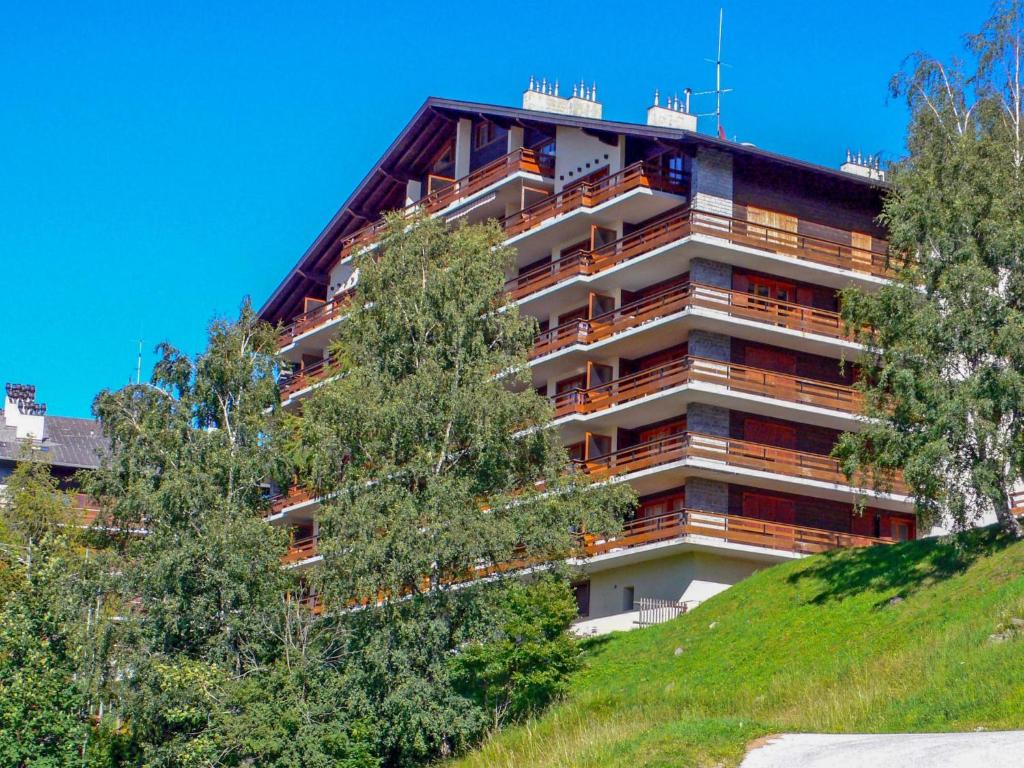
(652, 610)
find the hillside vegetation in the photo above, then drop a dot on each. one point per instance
(915, 637)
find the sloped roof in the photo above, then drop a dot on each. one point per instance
(381, 189)
(69, 442)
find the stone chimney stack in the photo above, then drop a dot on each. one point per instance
(543, 96)
(868, 166)
(675, 113)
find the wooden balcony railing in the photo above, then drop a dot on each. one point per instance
(740, 378)
(587, 194)
(679, 298)
(727, 451)
(526, 160)
(731, 528)
(817, 243)
(295, 495)
(673, 525)
(300, 549)
(314, 318)
(303, 378)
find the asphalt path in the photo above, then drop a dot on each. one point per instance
(987, 749)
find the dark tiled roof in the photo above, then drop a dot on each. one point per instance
(69, 442)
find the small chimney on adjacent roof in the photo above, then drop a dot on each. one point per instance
(542, 96)
(868, 166)
(22, 412)
(675, 113)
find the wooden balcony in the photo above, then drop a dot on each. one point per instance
(300, 549)
(674, 300)
(734, 529)
(740, 378)
(587, 194)
(833, 247)
(727, 451)
(731, 528)
(295, 495)
(314, 318)
(524, 160)
(305, 377)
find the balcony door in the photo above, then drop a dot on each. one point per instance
(778, 360)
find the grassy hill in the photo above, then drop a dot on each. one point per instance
(881, 639)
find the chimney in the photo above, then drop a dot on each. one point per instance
(675, 113)
(542, 96)
(22, 412)
(868, 166)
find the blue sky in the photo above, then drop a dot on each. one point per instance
(160, 161)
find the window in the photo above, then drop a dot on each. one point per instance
(483, 134)
(900, 530)
(445, 157)
(768, 288)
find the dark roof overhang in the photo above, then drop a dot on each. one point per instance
(383, 188)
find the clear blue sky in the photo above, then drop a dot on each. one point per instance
(159, 161)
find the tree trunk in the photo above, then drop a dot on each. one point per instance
(1009, 522)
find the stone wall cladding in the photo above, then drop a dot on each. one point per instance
(707, 419)
(714, 273)
(712, 182)
(707, 495)
(713, 346)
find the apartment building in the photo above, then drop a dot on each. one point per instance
(690, 339)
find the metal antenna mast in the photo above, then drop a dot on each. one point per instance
(719, 90)
(718, 76)
(138, 365)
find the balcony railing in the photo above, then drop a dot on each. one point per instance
(679, 298)
(525, 160)
(732, 528)
(295, 495)
(587, 194)
(303, 378)
(740, 378)
(300, 549)
(826, 245)
(314, 318)
(724, 450)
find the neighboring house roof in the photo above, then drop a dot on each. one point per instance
(69, 442)
(381, 189)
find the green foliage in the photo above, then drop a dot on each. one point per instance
(877, 640)
(525, 659)
(944, 368)
(45, 685)
(436, 464)
(188, 465)
(432, 453)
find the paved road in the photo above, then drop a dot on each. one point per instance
(988, 749)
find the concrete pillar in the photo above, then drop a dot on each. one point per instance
(712, 346)
(413, 191)
(714, 273)
(707, 495)
(712, 182)
(515, 138)
(707, 419)
(463, 146)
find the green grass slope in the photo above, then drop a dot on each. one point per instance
(872, 640)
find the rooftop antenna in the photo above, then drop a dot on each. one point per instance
(719, 90)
